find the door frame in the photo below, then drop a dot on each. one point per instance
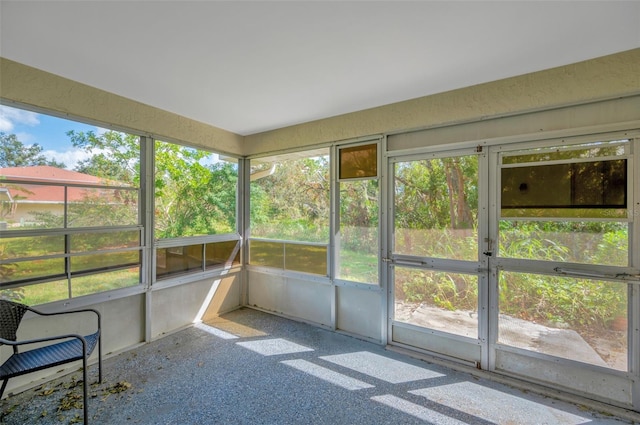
(619, 388)
(473, 352)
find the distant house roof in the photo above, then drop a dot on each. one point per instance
(54, 193)
(49, 174)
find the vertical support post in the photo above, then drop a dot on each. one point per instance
(146, 218)
(243, 213)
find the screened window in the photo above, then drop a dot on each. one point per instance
(358, 237)
(69, 208)
(568, 183)
(567, 204)
(290, 212)
(195, 192)
(195, 198)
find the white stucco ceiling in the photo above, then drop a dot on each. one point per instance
(251, 66)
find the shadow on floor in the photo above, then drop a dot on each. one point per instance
(248, 367)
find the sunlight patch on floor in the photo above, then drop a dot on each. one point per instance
(416, 410)
(380, 367)
(274, 347)
(215, 331)
(235, 328)
(496, 406)
(328, 375)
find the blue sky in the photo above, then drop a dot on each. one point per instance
(51, 133)
(47, 131)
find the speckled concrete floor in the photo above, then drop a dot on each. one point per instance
(249, 367)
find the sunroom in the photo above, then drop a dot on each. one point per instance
(493, 226)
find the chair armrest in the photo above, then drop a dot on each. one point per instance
(44, 339)
(60, 313)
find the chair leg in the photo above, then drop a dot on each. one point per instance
(100, 359)
(85, 390)
(4, 385)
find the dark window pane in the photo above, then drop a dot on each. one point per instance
(359, 161)
(583, 185)
(178, 259)
(270, 254)
(220, 253)
(306, 258)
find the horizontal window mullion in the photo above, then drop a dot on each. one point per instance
(103, 251)
(565, 161)
(286, 241)
(34, 258)
(33, 281)
(563, 268)
(71, 255)
(99, 270)
(67, 231)
(195, 240)
(81, 185)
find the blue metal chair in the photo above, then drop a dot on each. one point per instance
(70, 348)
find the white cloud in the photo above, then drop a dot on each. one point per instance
(70, 158)
(26, 138)
(10, 116)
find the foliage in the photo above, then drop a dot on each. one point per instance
(7, 270)
(114, 156)
(14, 153)
(449, 291)
(193, 198)
(293, 202)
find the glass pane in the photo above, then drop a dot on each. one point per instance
(220, 253)
(573, 241)
(269, 254)
(585, 185)
(57, 152)
(358, 234)
(290, 197)
(83, 242)
(85, 285)
(179, 259)
(306, 258)
(31, 246)
(34, 269)
(437, 300)
(436, 208)
(37, 294)
(578, 319)
(359, 161)
(90, 207)
(104, 261)
(195, 192)
(26, 206)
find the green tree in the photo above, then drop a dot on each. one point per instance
(114, 155)
(292, 202)
(193, 197)
(14, 153)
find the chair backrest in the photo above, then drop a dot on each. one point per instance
(11, 314)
